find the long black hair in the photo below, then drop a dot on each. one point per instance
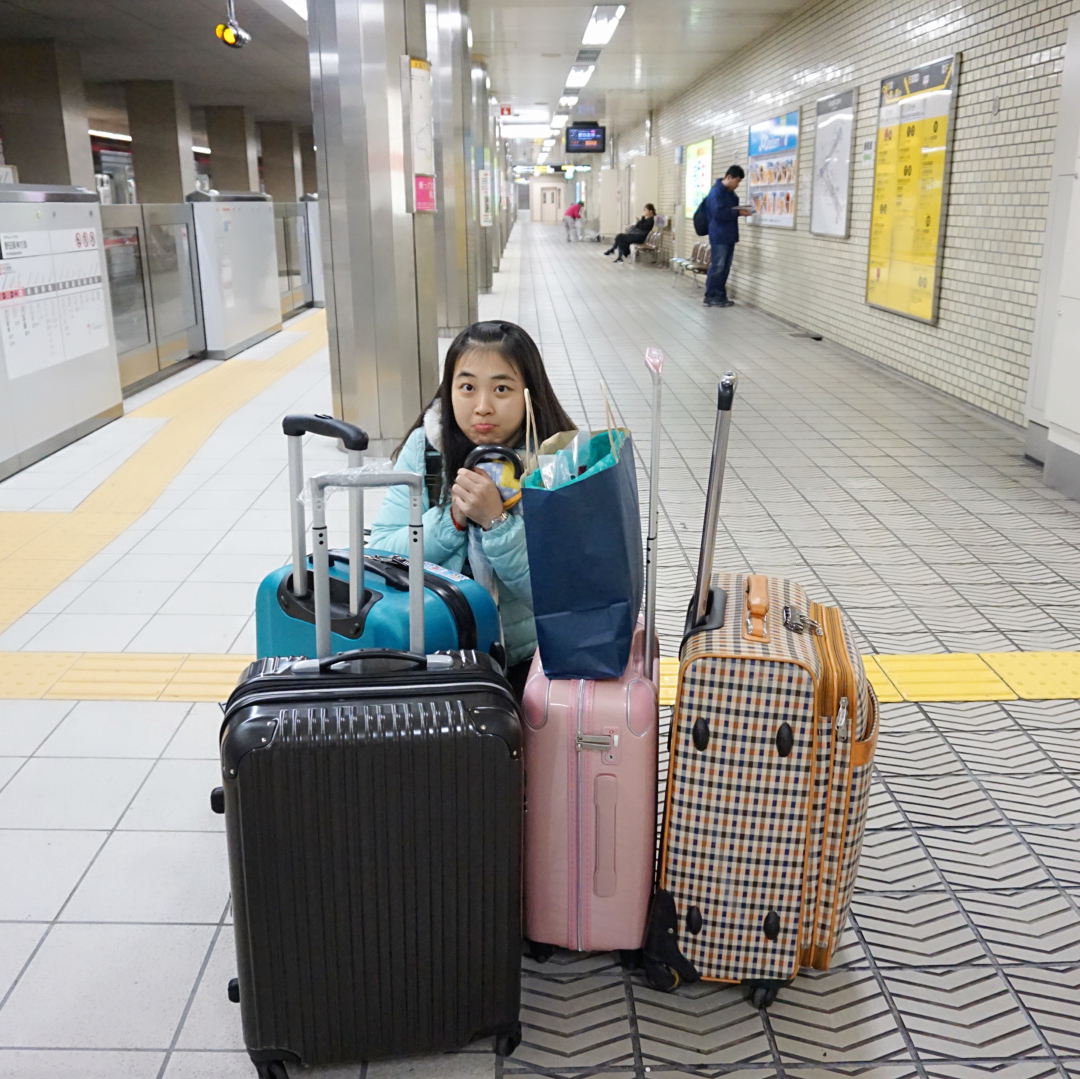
(520, 350)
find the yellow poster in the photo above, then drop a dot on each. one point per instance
(909, 189)
(699, 177)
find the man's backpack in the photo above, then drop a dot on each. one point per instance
(701, 220)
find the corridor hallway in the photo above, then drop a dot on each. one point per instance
(129, 562)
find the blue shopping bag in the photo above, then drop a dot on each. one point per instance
(585, 561)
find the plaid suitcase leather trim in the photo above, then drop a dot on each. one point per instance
(747, 832)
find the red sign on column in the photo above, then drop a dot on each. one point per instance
(506, 110)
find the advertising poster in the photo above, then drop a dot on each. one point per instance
(915, 113)
(423, 135)
(486, 208)
(834, 131)
(699, 177)
(772, 172)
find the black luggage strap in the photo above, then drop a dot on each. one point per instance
(433, 478)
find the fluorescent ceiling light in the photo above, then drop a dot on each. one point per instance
(200, 149)
(109, 135)
(559, 122)
(579, 76)
(605, 18)
(568, 101)
(468, 36)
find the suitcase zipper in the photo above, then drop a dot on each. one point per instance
(842, 689)
(580, 891)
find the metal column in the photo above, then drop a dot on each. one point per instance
(382, 336)
(456, 298)
(481, 160)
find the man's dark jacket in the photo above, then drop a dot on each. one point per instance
(722, 206)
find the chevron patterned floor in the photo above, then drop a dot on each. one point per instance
(919, 516)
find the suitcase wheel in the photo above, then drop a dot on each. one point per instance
(761, 996)
(274, 1069)
(662, 977)
(539, 953)
(631, 958)
(505, 1044)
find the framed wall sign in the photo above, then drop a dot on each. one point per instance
(699, 177)
(911, 168)
(830, 194)
(773, 170)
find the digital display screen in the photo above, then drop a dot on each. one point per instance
(586, 140)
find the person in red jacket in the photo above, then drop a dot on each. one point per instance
(572, 221)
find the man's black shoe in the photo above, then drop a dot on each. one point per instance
(726, 303)
(714, 303)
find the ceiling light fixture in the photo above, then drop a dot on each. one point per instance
(579, 76)
(109, 135)
(603, 23)
(230, 32)
(200, 149)
(568, 101)
(559, 122)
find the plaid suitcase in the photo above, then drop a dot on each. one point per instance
(771, 749)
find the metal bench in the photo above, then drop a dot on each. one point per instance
(698, 263)
(653, 244)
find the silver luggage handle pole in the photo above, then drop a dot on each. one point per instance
(725, 395)
(295, 427)
(357, 480)
(356, 539)
(654, 360)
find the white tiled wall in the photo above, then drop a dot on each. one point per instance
(1001, 172)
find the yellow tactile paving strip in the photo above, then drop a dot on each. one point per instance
(39, 551)
(132, 676)
(118, 676)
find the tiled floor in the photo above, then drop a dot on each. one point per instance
(919, 516)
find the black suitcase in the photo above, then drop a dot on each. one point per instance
(373, 809)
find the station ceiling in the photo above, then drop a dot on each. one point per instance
(121, 40)
(659, 48)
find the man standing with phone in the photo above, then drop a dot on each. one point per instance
(723, 210)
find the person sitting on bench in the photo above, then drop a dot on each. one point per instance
(637, 235)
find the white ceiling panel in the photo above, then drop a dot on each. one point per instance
(659, 48)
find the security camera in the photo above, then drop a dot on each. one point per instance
(230, 31)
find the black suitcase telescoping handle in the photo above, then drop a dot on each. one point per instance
(356, 481)
(409, 659)
(725, 397)
(355, 440)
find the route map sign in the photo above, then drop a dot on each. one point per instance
(834, 130)
(915, 119)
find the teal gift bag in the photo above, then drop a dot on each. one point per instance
(585, 561)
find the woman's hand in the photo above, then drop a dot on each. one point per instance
(475, 496)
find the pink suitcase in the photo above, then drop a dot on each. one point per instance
(590, 750)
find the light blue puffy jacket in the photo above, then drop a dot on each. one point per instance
(504, 546)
